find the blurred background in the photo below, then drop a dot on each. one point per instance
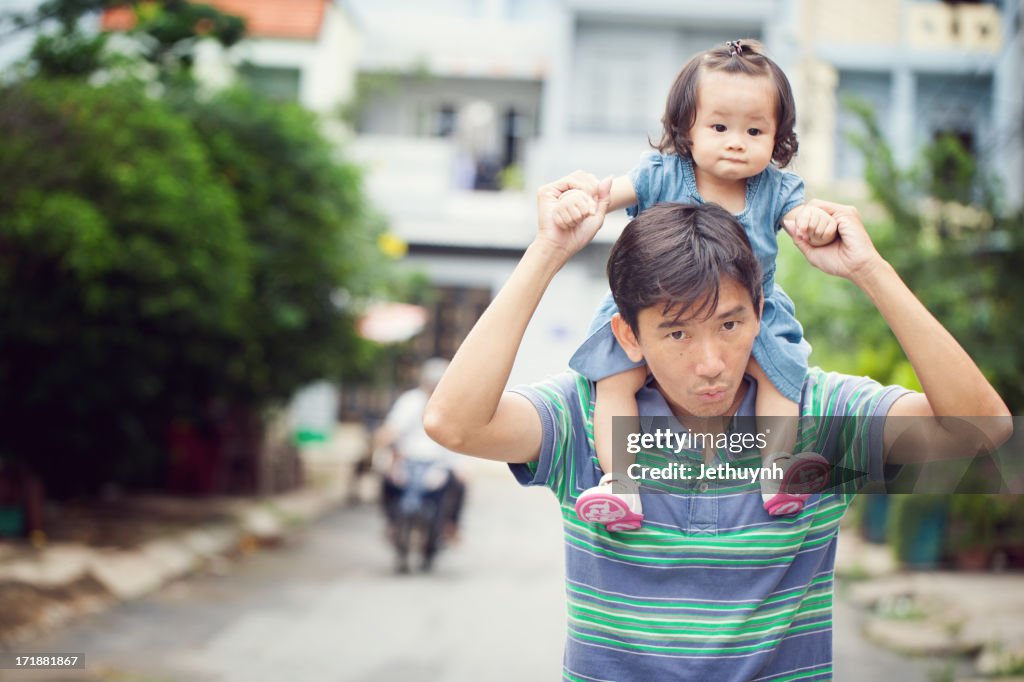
(231, 232)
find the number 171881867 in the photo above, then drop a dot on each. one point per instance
(39, 661)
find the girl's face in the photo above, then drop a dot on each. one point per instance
(733, 134)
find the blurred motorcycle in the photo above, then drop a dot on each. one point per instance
(416, 506)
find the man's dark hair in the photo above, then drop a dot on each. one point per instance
(676, 255)
(738, 56)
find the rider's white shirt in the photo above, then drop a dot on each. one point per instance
(406, 419)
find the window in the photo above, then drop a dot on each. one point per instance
(875, 89)
(453, 312)
(446, 120)
(274, 82)
(612, 93)
(959, 105)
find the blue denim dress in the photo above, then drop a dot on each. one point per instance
(780, 348)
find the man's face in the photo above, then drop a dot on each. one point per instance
(698, 363)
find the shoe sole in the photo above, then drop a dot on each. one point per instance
(608, 510)
(807, 475)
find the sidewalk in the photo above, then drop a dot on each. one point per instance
(111, 552)
(977, 616)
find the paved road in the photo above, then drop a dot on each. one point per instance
(326, 607)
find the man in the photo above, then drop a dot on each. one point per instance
(402, 433)
(711, 587)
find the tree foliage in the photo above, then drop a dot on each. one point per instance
(311, 231)
(162, 257)
(123, 269)
(941, 225)
(166, 34)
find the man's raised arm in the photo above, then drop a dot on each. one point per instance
(953, 384)
(470, 411)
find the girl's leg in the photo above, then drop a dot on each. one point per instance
(776, 414)
(616, 397)
(802, 473)
(615, 501)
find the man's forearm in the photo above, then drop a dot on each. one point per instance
(466, 399)
(951, 380)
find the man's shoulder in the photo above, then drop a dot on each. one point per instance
(835, 393)
(567, 385)
(568, 393)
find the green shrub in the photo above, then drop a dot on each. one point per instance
(312, 235)
(917, 524)
(123, 269)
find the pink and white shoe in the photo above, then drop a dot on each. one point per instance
(804, 474)
(617, 511)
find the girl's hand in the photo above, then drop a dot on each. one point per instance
(573, 206)
(812, 224)
(852, 255)
(565, 228)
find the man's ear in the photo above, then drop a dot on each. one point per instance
(626, 338)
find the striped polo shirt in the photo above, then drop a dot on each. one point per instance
(711, 587)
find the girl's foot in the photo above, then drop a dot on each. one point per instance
(618, 511)
(803, 475)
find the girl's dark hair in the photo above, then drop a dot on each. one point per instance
(737, 56)
(676, 256)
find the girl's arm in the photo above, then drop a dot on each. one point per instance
(470, 411)
(623, 195)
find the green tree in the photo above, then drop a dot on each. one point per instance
(314, 240)
(123, 271)
(956, 247)
(164, 259)
(166, 33)
(940, 224)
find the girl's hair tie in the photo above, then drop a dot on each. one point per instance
(735, 48)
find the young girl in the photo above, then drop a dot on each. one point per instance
(730, 115)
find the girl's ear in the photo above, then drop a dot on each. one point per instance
(626, 338)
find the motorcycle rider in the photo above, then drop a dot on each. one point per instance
(402, 432)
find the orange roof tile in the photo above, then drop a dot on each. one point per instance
(300, 19)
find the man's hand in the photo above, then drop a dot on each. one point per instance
(567, 228)
(812, 223)
(852, 255)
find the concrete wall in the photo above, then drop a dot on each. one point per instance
(868, 22)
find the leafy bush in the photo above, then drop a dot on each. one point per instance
(943, 229)
(123, 270)
(312, 236)
(917, 525)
